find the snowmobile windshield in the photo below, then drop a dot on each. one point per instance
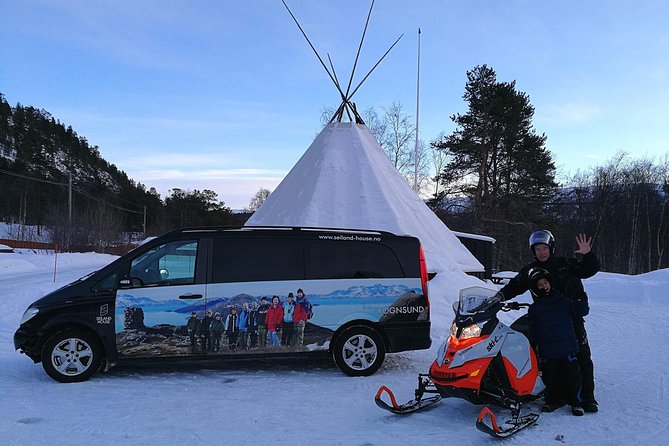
(476, 301)
(472, 304)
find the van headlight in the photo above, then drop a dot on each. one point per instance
(28, 314)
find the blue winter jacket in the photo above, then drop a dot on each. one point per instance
(242, 320)
(288, 311)
(551, 319)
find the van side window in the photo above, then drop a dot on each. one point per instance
(345, 260)
(251, 260)
(169, 264)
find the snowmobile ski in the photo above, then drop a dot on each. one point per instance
(507, 429)
(414, 405)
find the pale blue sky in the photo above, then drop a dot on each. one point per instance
(226, 95)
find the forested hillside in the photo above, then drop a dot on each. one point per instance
(52, 177)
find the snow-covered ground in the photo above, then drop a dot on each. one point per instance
(315, 403)
(17, 231)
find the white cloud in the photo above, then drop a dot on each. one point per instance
(568, 113)
(215, 174)
(167, 162)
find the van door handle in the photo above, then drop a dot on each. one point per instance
(190, 296)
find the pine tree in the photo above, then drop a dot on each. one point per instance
(495, 158)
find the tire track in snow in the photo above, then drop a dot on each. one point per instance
(660, 390)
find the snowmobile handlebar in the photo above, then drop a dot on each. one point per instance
(509, 306)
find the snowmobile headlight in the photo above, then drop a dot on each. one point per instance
(472, 331)
(28, 314)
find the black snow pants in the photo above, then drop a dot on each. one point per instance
(562, 378)
(586, 365)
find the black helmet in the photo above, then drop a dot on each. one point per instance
(542, 237)
(534, 274)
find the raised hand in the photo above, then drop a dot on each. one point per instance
(584, 244)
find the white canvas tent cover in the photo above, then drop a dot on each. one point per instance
(345, 180)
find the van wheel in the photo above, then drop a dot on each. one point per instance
(359, 351)
(71, 355)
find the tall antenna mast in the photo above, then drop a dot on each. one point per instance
(415, 153)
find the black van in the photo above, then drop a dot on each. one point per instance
(217, 292)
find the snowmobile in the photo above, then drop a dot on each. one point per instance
(483, 361)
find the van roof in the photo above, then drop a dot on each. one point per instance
(279, 228)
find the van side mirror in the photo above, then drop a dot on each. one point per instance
(130, 282)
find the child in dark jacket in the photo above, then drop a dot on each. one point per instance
(552, 331)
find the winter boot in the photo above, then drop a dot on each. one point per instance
(577, 411)
(550, 407)
(590, 407)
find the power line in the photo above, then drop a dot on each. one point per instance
(27, 161)
(41, 180)
(82, 192)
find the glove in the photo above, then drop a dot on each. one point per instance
(577, 299)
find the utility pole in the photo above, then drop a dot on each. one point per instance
(69, 210)
(415, 153)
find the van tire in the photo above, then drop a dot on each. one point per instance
(359, 350)
(71, 355)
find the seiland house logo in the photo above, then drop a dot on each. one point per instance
(353, 238)
(401, 310)
(103, 319)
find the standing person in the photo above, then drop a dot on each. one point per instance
(242, 324)
(274, 319)
(204, 331)
(551, 320)
(232, 328)
(253, 325)
(287, 325)
(193, 326)
(216, 329)
(567, 274)
(262, 324)
(303, 310)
